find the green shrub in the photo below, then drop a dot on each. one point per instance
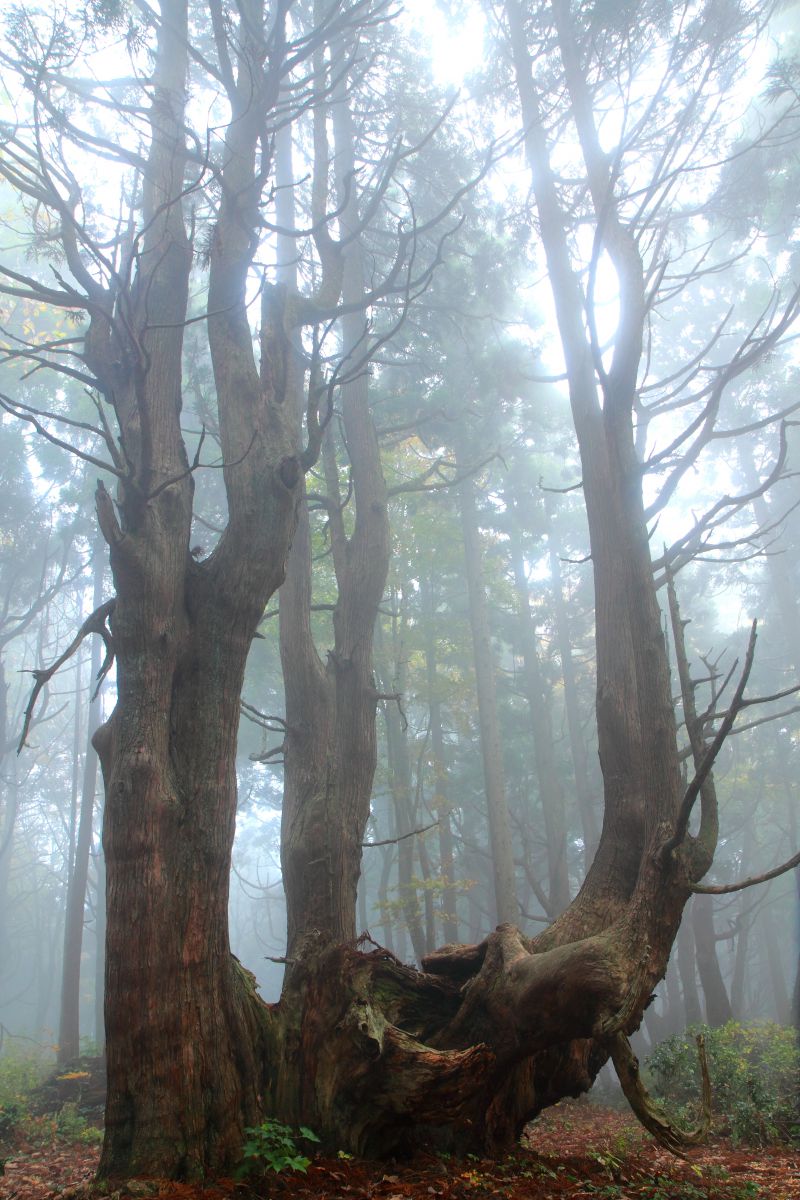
(272, 1146)
(20, 1075)
(72, 1126)
(21, 1080)
(755, 1079)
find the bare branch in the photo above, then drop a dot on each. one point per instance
(710, 756)
(24, 413)
(95, 623)
(419, 485)
(724, 888)
(393, 841)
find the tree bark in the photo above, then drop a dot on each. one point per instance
(780, 992)
(100, 949)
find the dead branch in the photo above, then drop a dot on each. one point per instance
(95, 623)
(419, 485)
(703, 771)
(393, 841)
(397, 698)
(723, 889)
(644, 1108)
(266, 721)
(24, 413)
(266, 756)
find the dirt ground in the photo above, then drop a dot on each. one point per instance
(575, 1151)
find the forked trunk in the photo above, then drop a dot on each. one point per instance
(184, 1028)
(184, 1045)
(487, 1035)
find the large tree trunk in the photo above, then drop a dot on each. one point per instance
(184, 1048)
(489, 1034)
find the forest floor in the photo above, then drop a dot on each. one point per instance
(575, 1151)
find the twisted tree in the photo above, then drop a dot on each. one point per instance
(374, 1055)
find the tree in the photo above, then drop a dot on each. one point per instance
(179, 627)
(485, 1036)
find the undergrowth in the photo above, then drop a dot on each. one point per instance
(272, 1146)
(21, 1077)
(755, 1080)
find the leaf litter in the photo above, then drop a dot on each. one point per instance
(576, 1151)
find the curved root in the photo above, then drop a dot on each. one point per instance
(646, 1110)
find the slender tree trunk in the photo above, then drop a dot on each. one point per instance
(100, 947)
(505, 899)
(426, 873)
(387, 861)
(673, 1008)
(477, 916)
(693, 1013)
(77, 762)
(741, 965)
(551, 793)
(439, 799)
(715, 995)
(577, 741)
(8, 815)
(400, 781)
(780, 993)
(69, 1019)
(45, 964)
(10, 809)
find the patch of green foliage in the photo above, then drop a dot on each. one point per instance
(72, 1126)
(272, 1146)
(20, 1075)
(755, 1079)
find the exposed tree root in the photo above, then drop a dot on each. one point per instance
(644, 1108)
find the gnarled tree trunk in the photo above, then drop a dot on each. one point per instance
(183, 1025)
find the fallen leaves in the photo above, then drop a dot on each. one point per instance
(575, 1151)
